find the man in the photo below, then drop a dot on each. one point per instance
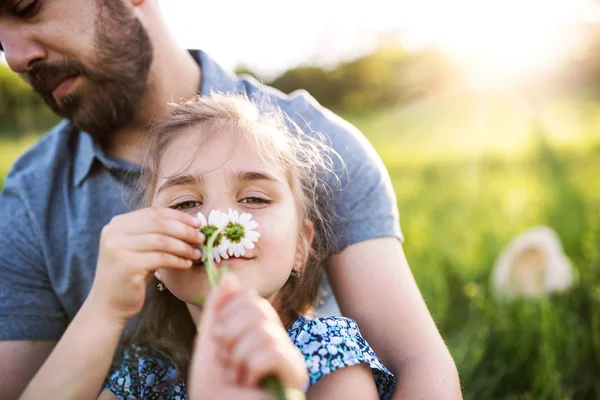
(108, 67)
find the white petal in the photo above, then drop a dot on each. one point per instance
(247, 243)
(213, 216)
(202, 219)
(251, 225)
(245, 218)
(223, 253)
(216, 256)
(223, 220)
(236, 249)
(239, 250)
(252, 235)
(233, 215)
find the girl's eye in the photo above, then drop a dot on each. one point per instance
(27, 8)
(186, 205)
(255, 200)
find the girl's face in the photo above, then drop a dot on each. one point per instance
(228, 173)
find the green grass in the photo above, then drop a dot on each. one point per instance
(468, 178)
(10, 149)
(471, 172)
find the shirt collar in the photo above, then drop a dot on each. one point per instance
(214, 79)
(84, 156)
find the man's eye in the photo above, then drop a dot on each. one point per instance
(27, 8)
(186, 205)
(255, 200)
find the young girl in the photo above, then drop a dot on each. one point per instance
(217, 153)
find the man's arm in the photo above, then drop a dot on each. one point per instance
(381, 294)
(31, 317)
(19, 361)
(78, 365)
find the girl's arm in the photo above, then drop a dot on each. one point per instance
(355, 382)
(382, 296)
(80, 361)
(132, 247)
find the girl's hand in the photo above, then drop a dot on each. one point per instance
(132, 247)
(208, 375)
(253, 342)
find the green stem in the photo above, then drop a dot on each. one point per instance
(211, 269)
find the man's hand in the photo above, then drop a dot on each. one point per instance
(19, 362)
(383, 298)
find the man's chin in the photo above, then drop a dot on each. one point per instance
(100, 116)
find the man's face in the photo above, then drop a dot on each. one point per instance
(89, 61)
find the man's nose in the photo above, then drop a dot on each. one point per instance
(21, 54)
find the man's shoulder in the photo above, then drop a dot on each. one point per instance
(45, 157)
(301, 107)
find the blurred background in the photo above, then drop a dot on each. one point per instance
(487, 115)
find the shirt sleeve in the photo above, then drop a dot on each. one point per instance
(365, 203)
(29, 308)
(332, 343)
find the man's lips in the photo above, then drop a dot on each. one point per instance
(63, 88)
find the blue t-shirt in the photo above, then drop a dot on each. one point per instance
(61, 193)
(327, 343)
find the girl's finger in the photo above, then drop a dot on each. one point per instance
(288, 365)
(265, 363)
(150, 242)
(228, 288)
(254, 340)
(244, 394)
(154, 260)
(163, 221)
(169, 213)
(246, 300)
(241, 314)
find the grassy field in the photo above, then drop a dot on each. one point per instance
(470, 172)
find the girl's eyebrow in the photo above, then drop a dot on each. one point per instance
(195, 179)
(181, 180)
(248, 176)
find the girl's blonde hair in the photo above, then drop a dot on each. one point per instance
(165, 326)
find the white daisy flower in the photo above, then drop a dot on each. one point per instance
(239, 234)
(217, 220)
(533, 263)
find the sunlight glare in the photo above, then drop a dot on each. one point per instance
(495, 41)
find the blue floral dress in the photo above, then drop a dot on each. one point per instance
(327, 343)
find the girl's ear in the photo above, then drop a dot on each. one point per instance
(303, 247)
(309, 231)
(157, 275)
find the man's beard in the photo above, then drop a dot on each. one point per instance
(115, 84)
